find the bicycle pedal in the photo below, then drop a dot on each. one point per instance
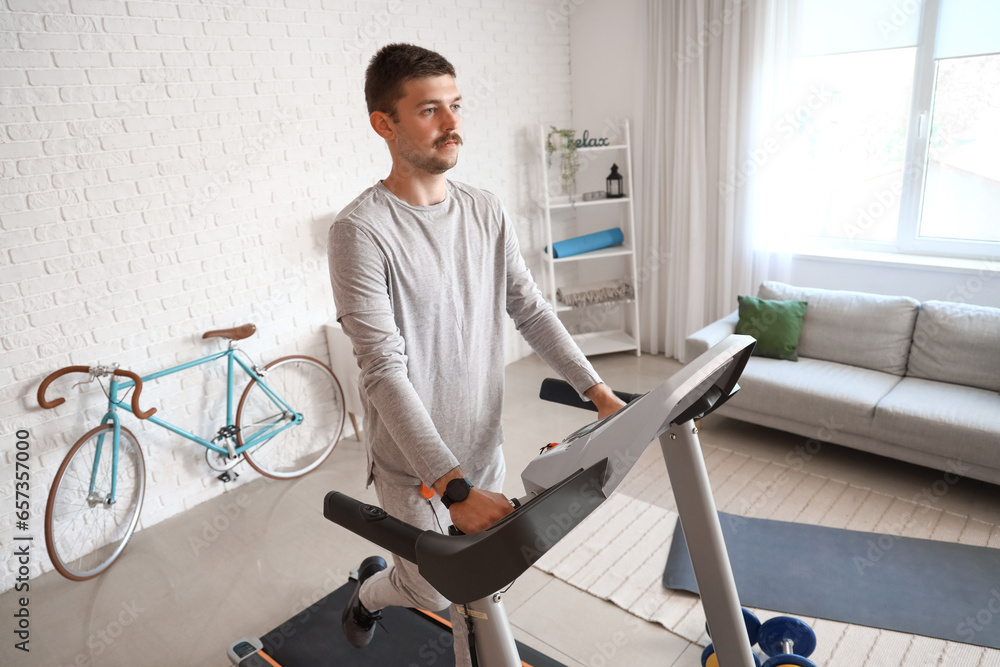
(228, 476)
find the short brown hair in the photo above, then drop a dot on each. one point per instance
(392, 66)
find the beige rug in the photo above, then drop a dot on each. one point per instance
(619, 552)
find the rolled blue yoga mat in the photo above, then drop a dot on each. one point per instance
(587, 242)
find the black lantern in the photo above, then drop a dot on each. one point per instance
(614, 190)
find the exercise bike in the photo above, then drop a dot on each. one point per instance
(564, 484)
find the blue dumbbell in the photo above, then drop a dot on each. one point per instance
(708, 658)
(751, 621)
(788, 641)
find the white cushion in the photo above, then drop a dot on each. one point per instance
(957, 343)
(832, 397)
(866, 330)
(961, 423)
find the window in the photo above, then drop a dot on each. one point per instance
(889, 132)
(961, 194)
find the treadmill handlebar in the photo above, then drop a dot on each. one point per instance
(560, 391)
(464, 568)
(374, 523)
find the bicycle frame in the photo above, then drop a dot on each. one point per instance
(268, 431)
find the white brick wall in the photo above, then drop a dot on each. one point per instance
(172, 167)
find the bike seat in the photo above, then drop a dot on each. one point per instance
(236, 333)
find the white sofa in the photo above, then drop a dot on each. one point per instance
(885, 374)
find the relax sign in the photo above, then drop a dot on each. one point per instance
(590, 142)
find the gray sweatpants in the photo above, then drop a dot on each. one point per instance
(401, 584)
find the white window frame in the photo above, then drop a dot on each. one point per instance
(908, 241)
(917, 147)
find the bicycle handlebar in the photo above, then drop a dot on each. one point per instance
(49, 404)
(135, 396)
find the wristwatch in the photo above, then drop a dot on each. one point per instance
(456, 491)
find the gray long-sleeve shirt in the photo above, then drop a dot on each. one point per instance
(421, 292)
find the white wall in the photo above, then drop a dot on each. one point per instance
(172, 166)
(976, 282)
(606, 52)
(605, 63)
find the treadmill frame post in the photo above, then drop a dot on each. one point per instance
(495, 643)
(703, 532)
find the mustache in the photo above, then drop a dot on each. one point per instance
(454, 136)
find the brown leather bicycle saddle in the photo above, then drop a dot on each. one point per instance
(236, 333)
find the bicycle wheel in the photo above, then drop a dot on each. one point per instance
(84, 534)
(304, 436)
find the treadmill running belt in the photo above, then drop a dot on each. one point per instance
(313, 638)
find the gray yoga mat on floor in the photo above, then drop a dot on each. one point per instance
(923, 587)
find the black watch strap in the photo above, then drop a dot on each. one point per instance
(456, 491)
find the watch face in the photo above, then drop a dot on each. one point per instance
(458, 490)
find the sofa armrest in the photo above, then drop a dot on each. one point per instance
(708, 336)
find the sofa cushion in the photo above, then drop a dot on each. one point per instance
(866, 330)
(962, 423)
(957, 343)
(775, 325)
(834, 397)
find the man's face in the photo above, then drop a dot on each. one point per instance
(428, 132)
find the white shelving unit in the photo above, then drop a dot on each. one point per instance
(606, 338)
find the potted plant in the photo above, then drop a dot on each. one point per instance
(564, 142)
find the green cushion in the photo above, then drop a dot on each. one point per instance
(775, 324)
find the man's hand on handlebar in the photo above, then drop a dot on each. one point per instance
(480, 510)
(605, 400)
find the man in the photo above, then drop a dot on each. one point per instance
(423, 269)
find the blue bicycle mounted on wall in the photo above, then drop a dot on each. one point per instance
(287, 422)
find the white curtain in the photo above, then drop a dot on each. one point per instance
(710, 74)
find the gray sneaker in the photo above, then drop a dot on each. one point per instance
(358, 622)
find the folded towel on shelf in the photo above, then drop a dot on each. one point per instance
(594, 293)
